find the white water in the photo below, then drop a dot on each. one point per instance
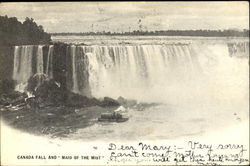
(119, 70)
(49, 66)
(139, 71)
(39, 60)
(201, 85)
(144, 72)
(22, 66)
(203, 89)
(24, 57)
(110, 40)
(74, 73)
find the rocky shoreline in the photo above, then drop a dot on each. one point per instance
(53, 110)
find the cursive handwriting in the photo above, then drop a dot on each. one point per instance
(194, 152)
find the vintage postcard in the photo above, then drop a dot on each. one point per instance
(124, 83)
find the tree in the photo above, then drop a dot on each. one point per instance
(13, 32)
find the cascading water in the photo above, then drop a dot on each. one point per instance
(49, 66)
(131, 70)
(199, 86)
(74, 73)
(28, 61)
(79, 75)
(39, 60)
(238, 49)
(22, 66)
(139, 72)
(143, 71)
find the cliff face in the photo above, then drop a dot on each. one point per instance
(6, 62)
(70, 68)
(86, 70)
(61, 62)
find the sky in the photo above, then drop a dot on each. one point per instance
(129, 16)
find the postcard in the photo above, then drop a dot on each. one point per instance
(124, 83)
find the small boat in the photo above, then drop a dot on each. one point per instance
(112, 117)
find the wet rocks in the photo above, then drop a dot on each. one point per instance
(49, 93)
(107, 102)
(53, 110)
(6, 85)
(125, 102)
(35, 81)
(12, 98)
(76, 100)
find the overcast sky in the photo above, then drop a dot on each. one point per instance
(128, 16)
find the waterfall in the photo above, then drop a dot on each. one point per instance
(131, 71)
(238, 49)
(22, 66)
(28, 62)
(74, 73)
(79, 75)
(49, 66)
(39, 60)
(123, 69)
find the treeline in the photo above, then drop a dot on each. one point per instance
(205, 33)
(13, 32)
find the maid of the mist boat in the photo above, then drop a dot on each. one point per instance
(113, 116)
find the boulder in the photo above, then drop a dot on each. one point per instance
(76, 100)
(35, 81)
(126, 103)
(50, 93)
(107, 102)
(121, 100)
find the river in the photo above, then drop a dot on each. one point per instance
(201, 86)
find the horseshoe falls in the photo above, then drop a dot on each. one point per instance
(135, 71)
(200, 85)
(132, 71)
(145, 72)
